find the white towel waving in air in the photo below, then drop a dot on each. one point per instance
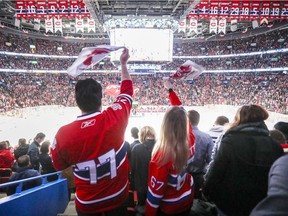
(188, 71)
(89, 56)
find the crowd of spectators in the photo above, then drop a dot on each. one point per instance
(248, 62)
(20, 90)
(263, 42)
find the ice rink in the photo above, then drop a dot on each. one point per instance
(48, 119)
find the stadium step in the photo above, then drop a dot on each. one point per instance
(70, 210)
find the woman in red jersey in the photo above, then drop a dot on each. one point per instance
(170, 187)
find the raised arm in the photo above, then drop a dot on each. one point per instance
(174, 100)
(123, 60)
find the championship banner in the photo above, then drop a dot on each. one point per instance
(41, 9)
(49, 25)
(57, 25)
(193, 25)
(193, 13)
(213, 26)
(63, 9)
(182, 24)
(245, 10)
(20, 7)
(284, 11)
(91, 25)
(213, 13)
(31, 9)
(52, 8)
(79, 25)
(83, 9)
(265, 11)
(275, 11)
(224, 7)
(222, 26)
(74, 8)
(234, 10)
(255, 10)
(204, 10)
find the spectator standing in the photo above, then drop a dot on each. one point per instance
(22, 148)
(34, 150)
(96, 140)
(202, 157)
(135, 135)
(275, 203)
(6, 157)
(46, 161)
(140, 159)
(237, 179)
(218, 128)
(24, 171)
(170, 187)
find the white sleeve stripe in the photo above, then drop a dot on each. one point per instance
(127, 97)
(153, 194)
(187, 193)
(152, 205)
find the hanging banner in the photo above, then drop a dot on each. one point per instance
(63, 9)
(193, 25)
(224, 9)
(31, 9)
(284, 11)
(41, 9)
(20, 7)
(222, 26)
(52, 8)
(204, 10)
(74, 8)
(213, 26)
(213, 12)
(182, 24)
(233, 26)
(245, 10)
(265, 11)
(234, 10)
(91, 25)
(83, 9)
(275, 11)
(49, 25)
(193, 13)
(255, 10)
(79, 25)
(57, 25)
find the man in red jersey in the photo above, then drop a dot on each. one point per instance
(94, 145)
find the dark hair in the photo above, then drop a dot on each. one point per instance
(22, 141)
(283, 127)
(23, 161)
(278, 136)
(194, 117)
(88, 95)
(3, 145)
(45, 147)
(221, 120)
(40, 136)
(249, 114)
(135, 132)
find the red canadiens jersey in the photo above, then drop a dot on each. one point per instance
(94, 145)
(171, 192)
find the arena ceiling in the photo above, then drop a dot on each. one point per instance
(104, 10)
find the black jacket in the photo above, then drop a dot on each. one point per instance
(238, 179)
(21, 150)
(140, 159)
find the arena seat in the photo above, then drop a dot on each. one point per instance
(48, 199)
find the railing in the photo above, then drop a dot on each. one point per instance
(48, 199)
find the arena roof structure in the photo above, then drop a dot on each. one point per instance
(107, 14)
